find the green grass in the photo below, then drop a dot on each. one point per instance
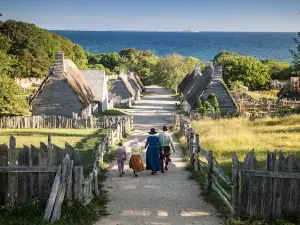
(112, 112)
(213, 198)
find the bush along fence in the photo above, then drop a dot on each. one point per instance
(50, 174)
(269, 192)
(53, 122)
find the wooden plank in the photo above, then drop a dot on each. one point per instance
(28, 176)
(45, 179)
(3, 177)
(210, 167)
(235, 182)
(35, 177)
(28, 169)
(12, 177)
(53, 194)
(218, 185)
(268, 188)
(78, 181)
(61, 190)
(271, 174)
(277, 195)
(227, 203)
(217, 169)
(69, 180)
(96, 188)
(196, 150)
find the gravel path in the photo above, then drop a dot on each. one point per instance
(163, 199)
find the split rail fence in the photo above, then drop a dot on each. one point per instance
(52, 174)
(269, 192)
(56, 122)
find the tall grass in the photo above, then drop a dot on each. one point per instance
(241, 135)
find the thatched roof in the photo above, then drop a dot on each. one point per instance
(197, 85)
(96, 80)
(187, 79)
(66, 70)
(139, 81)
(121, 89)
(132, 78)
(291, 89)
(125, 80)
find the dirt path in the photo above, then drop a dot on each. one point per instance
(163, 199)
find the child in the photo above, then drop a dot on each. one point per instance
(121, 157)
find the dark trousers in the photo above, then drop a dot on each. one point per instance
(165, 158)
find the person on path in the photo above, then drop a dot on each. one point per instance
(165, 141)
(136, 162)
(153, 152)
(121, 157)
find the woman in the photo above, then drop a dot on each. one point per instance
(136, 163)
(153, 152)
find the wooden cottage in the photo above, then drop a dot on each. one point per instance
(97, 82)
(64, 92)
(122, 94)
(187, 79)
(202, 85)
(291, 90)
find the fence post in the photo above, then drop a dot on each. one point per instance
(196, 150)
(210, 165)
(191, 145)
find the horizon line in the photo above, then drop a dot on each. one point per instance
(178, 31)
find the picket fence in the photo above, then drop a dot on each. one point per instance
(51, 174)
(53, 122)
(268, 192)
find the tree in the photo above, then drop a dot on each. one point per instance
(12, 99)
(246, 69)
(191, 62)
(278, 70)
(170, 71)
(296, 55)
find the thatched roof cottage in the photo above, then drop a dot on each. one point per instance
(63, 92)
(97, 82)
(202, 85)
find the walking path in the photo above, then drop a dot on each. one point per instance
(163, 199)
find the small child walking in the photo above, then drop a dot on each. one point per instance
(121, 157)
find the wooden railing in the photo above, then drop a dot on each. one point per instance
(30, 173)
(208, 166)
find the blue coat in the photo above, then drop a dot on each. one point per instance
(153, 153)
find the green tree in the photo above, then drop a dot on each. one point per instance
(278, 70)
(191, 62)
(296, 55)
(12, 99)
(170, 71)
(249, 70)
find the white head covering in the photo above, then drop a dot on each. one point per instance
(135, 141)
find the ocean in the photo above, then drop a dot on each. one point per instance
(203, 45)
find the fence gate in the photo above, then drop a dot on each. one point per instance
(267, 192)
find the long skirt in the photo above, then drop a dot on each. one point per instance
(153, 159)
(136, 163)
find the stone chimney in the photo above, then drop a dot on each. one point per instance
(198, 70)
(59, 65)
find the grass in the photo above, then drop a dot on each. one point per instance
(112, 112)
(86, 142)
(35, 136)
(263, 95)
(213, 198)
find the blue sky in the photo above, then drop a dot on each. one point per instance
(159, 15)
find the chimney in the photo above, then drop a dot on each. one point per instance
(59, 65)
(198, 70)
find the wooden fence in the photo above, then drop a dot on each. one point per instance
(54, 122)
(50, 173)
(268, 192)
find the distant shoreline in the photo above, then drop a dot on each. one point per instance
(173, 31)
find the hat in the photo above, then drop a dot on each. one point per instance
(152, 131)
(165, 128)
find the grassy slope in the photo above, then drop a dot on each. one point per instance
(261, 95)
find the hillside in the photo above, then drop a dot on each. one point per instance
(28, 51)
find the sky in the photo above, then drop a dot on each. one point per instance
(157, 15)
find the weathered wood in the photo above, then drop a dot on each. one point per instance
(27, 169)
(3, 177)
(69, 179)
(53, 194)
(12, 177)
(61, 190)
(217, 169)
(210, 167)
(227, 203)
(36, 191)
(218, 185)
(196, 150)
(96, 189)
(235, 182)
(78, 181)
